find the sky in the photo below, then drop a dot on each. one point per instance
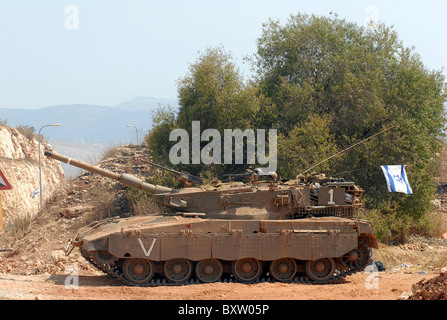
(100, 52)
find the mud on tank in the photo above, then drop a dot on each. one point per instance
(302, 230)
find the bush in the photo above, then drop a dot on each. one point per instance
(394, 227)
(27, 131)
(30, 133)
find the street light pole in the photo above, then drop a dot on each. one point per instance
(40, 165)
(129, 125)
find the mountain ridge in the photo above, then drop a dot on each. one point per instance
(89, 122)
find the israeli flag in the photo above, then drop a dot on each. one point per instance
(396, 179)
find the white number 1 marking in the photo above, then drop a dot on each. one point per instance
(331, 197)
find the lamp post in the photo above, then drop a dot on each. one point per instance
(40, 166)
(129, 125)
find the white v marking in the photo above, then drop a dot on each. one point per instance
(148, 252)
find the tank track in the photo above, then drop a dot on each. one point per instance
(115, 273)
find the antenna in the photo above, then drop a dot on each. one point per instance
(354, 145)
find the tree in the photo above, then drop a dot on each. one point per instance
(214, 93)
(164, 121)
(361, 80)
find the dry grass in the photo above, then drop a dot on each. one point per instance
(439, 221)
(141, 203)
(14, 229)
(102, 199)
(109, 153)
(30, 133)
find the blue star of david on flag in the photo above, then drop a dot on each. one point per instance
(396, 179)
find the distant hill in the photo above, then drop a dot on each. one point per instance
(91, 123)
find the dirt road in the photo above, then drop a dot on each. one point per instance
(363, 286)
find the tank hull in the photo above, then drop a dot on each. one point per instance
(321, 249)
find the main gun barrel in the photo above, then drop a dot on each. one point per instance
(124, 178)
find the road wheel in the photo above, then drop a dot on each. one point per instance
(138, 271)
(283, 269)
(209, 270)
(177, 270)
(320, 270)
(246, 270)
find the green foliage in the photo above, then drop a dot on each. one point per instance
(396, 226)
(362, 80)
(325, 84)
(324, 65)
(214, 93)
(163, 178)
(164, 120)
(306, 145)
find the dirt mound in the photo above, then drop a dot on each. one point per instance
(419, 254)
(433, 289)
(81, 201)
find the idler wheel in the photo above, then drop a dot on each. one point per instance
(177, 270)
(209, 270)
(358, 258)
(283, 269)
(138, 271)
(246, 270)
(320, 270)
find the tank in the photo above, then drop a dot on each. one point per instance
(301, 230)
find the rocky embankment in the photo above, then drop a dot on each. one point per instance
(19, 162)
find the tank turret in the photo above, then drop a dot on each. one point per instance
(258, 199)
(298, 230)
